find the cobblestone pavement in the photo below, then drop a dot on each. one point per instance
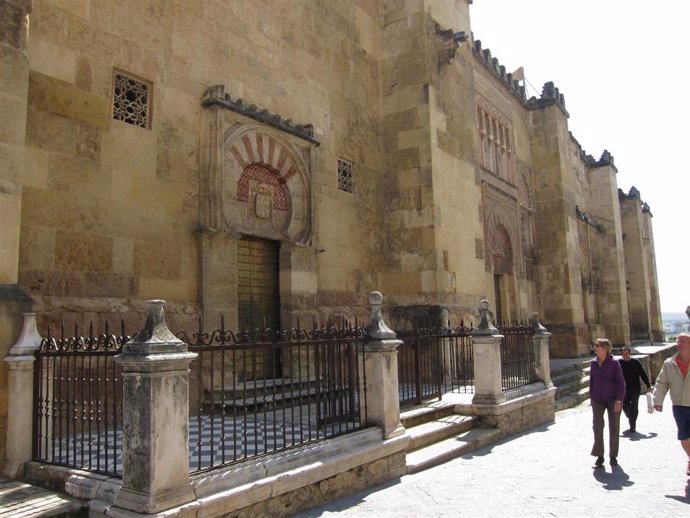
(544, 472)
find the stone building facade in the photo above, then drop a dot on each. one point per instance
(274, 160)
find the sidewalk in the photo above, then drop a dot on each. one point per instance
(546, 471)
(18, 499)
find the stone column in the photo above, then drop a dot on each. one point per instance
(14, 91)
(14, 88)
(540, 343)
(155, 418)
(486, 351)
(20, 363)
(381, 371)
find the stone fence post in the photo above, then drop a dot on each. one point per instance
(20, 365)
(540, 343)
(381, 371)
(155, 418)
(486, 352)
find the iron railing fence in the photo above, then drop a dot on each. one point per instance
(317, 391)
(251, 394)
(518, 363)
(77, 415)
(434, 361)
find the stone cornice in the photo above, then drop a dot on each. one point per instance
(497, 183)
(215, 96)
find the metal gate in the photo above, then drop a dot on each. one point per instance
(258, 300)
(432, 362)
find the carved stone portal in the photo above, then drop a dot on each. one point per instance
(255, 179)
(502, 234)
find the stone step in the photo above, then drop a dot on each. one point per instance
(434, 431)
(572, 399)
(423, 414)
(572, 386)
(569, 376)
(450, 448)
(577, 366)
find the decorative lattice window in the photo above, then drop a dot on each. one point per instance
(132, 100)
(345, 176)
(495, 136)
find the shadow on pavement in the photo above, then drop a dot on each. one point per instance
(616, 480)
(685, 499)
(481, 452)
(637, 436)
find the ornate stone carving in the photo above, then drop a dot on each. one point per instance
(486, 317)
(496, 136)
(525, 185)
(255, 179)
(501, 230)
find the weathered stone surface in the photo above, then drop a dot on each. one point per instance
(60, 98)
(83, 252)
(153, 259)
(13, 23)
(50, 132)
(327, 490)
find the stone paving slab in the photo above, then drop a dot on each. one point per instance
(544, 472)
(19, 500)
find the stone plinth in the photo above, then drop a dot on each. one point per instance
(540, 344)
(20, 364)
(155, 373)
(381, 367)
(486, 352)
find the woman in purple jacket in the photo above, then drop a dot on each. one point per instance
(606, 392)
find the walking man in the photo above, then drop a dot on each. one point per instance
(632, 372)
(674, 378)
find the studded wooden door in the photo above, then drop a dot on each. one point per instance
(258, 299)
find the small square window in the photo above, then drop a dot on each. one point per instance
(131, 100)
(345, 176)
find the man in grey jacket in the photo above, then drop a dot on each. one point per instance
(674, 378)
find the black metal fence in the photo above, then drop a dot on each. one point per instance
(317, 391)
(432, 362)
(518, 364)
(78, 400)
(251, 394)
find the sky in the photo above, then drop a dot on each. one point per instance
(622, 67)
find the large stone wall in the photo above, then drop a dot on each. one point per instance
(110, 209)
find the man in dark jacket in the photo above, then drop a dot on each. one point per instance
(632, 372)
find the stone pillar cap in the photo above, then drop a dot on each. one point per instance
(29, 340)
(155, 337)
(378, 330)
(536, 325)
(485, 326)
